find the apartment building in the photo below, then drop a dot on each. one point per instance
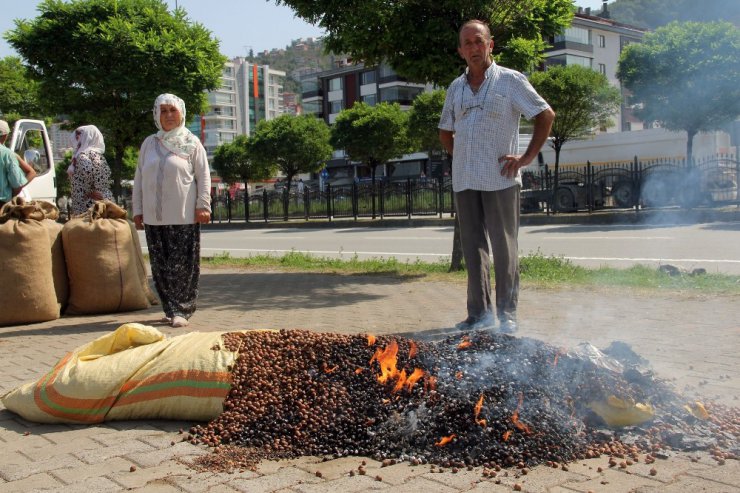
(248, 94)
(595, 41)
(325, 94)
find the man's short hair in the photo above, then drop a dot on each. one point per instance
(4, 128)
(471, 22)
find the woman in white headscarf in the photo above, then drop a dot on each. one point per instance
(171, 199)
(90, 179)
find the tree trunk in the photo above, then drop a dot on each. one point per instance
(117, 170)
(557, 148)
(690, 148)
(456, 262)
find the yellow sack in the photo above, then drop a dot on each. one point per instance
(618, 412)
(131, 373)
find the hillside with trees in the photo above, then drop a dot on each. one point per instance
(652, 14)
(301, 56)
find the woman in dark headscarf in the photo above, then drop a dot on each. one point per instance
(89, 172)
(171, 199)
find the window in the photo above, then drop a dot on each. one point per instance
(400, 94)
(602, 41)
(386, 71)
(569, 60)
(602, 68)
(370, 99)
(335, 84)
(576, 35)
(336, 106)
(368, 77)
(310, 85)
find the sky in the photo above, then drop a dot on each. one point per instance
(238, 24)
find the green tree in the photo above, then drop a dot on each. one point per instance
(424, 121)
(103, 62)
(685, 77)
(233, 163)
(372, 135)
(419, 39)
(582, 99)
(18, 92)
(295, 144)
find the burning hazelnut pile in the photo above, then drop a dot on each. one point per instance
(473, 400)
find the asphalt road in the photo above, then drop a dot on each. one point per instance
(712, 246)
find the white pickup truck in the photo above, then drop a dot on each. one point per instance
(31, 140)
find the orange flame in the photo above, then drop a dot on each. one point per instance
(358, 371)
(370, 340)
(557, 356)
(388, 359)
(413, 350)
(445, 440)
(515, 417)
(465, 343)
(478, 406)
(507, 434)
(332, 369)
(415, 376)
(459, 375)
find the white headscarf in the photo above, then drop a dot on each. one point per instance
(89, 139)
(179, 140)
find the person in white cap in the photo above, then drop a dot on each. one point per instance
(12, 177)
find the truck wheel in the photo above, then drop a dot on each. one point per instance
(624, 194)
(564, 200)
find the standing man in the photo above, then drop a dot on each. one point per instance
(12, 177)
(479, 127)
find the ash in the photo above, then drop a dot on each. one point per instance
(484, 399)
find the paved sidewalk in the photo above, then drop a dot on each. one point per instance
(691, 339)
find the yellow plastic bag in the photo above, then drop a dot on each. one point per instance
(131, 373)
(618, 412)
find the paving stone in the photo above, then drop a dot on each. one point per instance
(728, 474)
(158, 456)
(106, 453)
(63, 448)
(51, 464)
(283, 478)
(145, 475)
(200, 482)
(612, 481)
(113, 467)
(356, 484)
(41, 481)
(684, 484)
(91, 485)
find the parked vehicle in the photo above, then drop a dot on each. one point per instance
(31, 140)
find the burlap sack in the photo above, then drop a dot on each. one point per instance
(102, 262)
(131, 373)
(27, 285)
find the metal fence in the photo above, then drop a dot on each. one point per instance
(636, 184)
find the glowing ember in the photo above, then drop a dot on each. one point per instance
(430, 383)
(515, 417)
(459, 375)
(370, 340)
(331, 370)
(507, 435)
(445, 440)
(358, 371)
(478, 406)
(413, 349)
(465, 343)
